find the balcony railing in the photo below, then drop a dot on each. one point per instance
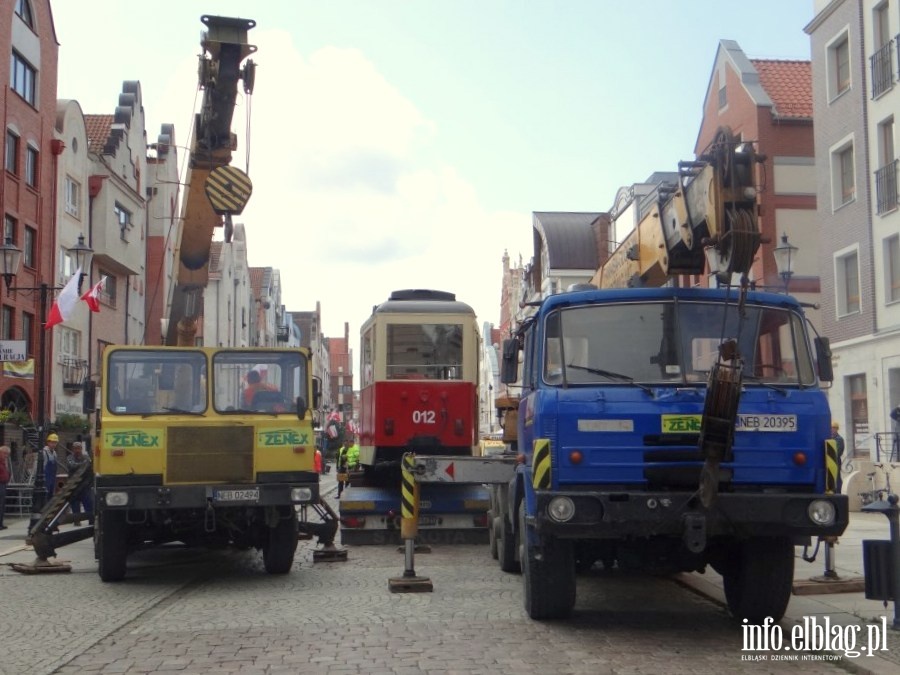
(882, 69)
(74, 373)
(886, 187)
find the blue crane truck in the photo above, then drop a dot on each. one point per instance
(666, 430)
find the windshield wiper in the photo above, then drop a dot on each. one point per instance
(612, 376)
(181, 411)
(774, 387)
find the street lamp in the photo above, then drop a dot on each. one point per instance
(10, 259)
(785, 255)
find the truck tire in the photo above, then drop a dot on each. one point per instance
(759, 584)
(112, 545)
(493, 534)
(278, 550)
(548, 572)
(507, 546)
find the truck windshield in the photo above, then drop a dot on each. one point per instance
(672, 342)
(258, 381)
(156, 382)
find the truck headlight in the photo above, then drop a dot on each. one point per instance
(303, 494)
(821, 512)
(117, 499)
(561, 509)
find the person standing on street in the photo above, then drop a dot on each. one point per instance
(343, 470)
(50, 458)
(353, 455)
(839, 442)
(317, 461)
(85, 500)
(5, 475)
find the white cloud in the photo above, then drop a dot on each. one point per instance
(348, 200)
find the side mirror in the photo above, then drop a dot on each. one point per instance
(316, 392)
(301, 407)
(89, 397)
(823, 359)
(509, 368)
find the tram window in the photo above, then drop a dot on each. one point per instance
(424, 351)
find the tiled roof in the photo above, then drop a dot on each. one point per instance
(788, 84)
(257, 275)
(98, 127)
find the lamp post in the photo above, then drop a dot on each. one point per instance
(10, 259)
(785, 255)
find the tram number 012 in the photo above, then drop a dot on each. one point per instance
(423, 417)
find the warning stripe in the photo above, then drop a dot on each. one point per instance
(831, 466)
(540, 465)
(228, 189)
(407, 485)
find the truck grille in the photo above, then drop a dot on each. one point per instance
(209, 455)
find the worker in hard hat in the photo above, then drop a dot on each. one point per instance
(50, 463)
(839, 442)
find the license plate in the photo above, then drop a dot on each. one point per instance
(250, 495)
(428, 521)
(766, 423)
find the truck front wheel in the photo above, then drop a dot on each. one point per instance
(112, 545)
(548, 573)
(278, 550)
(506, 545)
(758, 583)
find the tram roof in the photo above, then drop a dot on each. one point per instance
(422, 301)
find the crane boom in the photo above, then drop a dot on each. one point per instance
(712, 207)
(214, 190)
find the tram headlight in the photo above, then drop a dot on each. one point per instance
(561, 509)
(821, 512)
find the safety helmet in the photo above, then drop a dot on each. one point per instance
(52, 437)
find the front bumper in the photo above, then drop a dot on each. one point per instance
(145, 497)
(617, 515)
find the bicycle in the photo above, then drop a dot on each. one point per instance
(887, 480)
(872, 495)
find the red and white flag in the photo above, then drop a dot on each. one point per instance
(92, 297)
(65, 302)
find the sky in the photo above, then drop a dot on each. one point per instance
(405, 144)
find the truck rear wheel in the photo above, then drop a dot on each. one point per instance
(112, 545)
(759, 583)
(506, 546)
(278, 550)
(549, 575)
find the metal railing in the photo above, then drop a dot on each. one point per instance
(886, 187)
(882, 66)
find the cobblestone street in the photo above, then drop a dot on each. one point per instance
(199, 611)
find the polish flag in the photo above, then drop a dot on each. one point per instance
(93, 295)
(65, 302)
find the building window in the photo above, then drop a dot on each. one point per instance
(886, 197)
(723, 98)
(11, 157)
(892, 268)
(108, 292)
(69, 344)
(28, 246)
(839, 65)
(31, 166)
(847, 282)
(23, 11)
(123, 217)
(859, 413)
(6, 323)
(9, 229)
(843, 175)
(28, 332)
(22, 76)
(73, 191)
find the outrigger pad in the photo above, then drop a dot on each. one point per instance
(41, 567)
(410, 585)
(333, 555)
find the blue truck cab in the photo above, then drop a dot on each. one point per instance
(611, 430)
